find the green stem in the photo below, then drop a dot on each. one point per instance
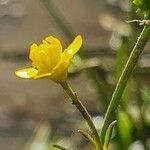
(84, 112)
(88, 137)
(108, 135)
(59, 147)
(126, 73)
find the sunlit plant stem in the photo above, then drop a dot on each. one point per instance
(126, 73)
(84, 112)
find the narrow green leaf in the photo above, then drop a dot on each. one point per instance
(88, 137)
(59, 147)
(108, 135)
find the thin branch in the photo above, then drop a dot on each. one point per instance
(59, 147)
(108, 135)
(84, 112)
(126, 73)
(88, 137)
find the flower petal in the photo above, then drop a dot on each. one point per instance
(59, 73)
(74, 47)
(27, 73)
(44, 75)
(55, 51)
(54, 41)
(33, 50)
(46, 55)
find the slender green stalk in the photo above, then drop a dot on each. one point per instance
(59, 147)
(108, 135)
(87, 136)
(121, 84)
(84, 112)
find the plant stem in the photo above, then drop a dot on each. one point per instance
(87, 136)
(84, 112)
(108, 135)
(126, 73)
(59, 147)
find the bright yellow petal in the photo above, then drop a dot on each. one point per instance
(26, 73)
(59, 73)
(52, 54)
(33, 51)
(74, 47)
(44, 75)
(46, 55)
(55, 52)
(54, 41)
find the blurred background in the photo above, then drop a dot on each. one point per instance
(34, 115)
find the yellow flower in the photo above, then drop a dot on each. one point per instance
(49, 60)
